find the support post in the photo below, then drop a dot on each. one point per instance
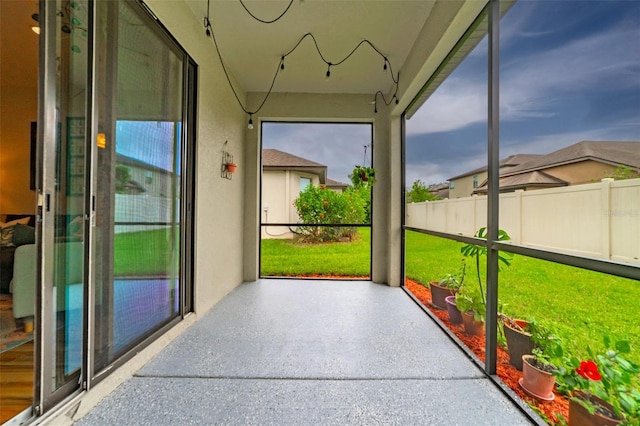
(491, 342)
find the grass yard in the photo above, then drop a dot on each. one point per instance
(579, 305)
(286, 258)
(143, 253)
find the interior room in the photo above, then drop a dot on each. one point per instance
(18, 115)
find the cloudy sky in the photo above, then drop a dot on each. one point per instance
(570, 71)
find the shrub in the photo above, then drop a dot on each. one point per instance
(317, 205)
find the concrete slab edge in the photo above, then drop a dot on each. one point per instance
(80, 405)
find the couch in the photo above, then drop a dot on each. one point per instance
(23, 285)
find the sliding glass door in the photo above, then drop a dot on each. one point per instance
(137, 181)
(62, 197)
(115, 131)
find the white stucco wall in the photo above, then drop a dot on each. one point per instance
(280, 188)
(219, 202)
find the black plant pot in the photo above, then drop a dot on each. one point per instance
(518, 343)
(438, 294)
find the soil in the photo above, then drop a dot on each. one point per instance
(506, 372)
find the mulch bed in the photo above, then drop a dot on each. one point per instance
(507, 373)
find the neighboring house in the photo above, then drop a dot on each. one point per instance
(583, 162)
(336, 186)
(440, 190)
(284, 176)
(145, 178)
(465, 184)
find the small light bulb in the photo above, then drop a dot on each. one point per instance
(328, 73)
(384, 68)
(250, 126)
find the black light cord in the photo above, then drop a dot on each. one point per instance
(262, 20)
(280, 67)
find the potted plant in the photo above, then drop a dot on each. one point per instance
(455, 316)
(601, 389)
(472, 301)
(363, 176)
(538, 379)
(447, 286)
(473, 308)
(518, 339)
(231, 167)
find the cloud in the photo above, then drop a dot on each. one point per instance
(533, 85)
(338, 146)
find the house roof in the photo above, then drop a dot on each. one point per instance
(330, 183)
(530, 174)
(510, 161)
(524, 180)
(274, 159)
(614, 153)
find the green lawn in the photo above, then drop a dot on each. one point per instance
(284, 257)
(579, 305)
(143, 253)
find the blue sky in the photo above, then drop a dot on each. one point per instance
(570, 71)
(148, 141)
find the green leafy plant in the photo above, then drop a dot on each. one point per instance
(454, 281)
(317, 205)
(469, 299)
(363, 176)
(608, 375)
(475, 299)
(547, 346)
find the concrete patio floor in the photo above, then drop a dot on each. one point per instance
(306, 352)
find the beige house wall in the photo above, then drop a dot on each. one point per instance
(583, 172)
(463, 187)
(280, 188)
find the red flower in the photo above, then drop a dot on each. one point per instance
(589, 370)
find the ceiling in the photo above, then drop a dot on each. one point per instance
(252, 50)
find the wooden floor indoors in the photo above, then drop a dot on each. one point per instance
(16, 380)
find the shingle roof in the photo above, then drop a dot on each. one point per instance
(273, 159)
(330, 183)
(510, 161)
(614, 153)
(525, 180)
(276, 158)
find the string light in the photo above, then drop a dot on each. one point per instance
(265, 21)
(387, 65)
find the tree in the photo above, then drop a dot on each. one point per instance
(623, 172)
(123, 175)
(420, 192)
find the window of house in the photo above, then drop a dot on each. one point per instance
(475, 181)
(304, 182)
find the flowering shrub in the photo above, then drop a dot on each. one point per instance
(317, 205)
(608, 376)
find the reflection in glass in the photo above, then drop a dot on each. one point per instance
(139, 178)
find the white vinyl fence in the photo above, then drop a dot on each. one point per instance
(600, 220)
(142, 209)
